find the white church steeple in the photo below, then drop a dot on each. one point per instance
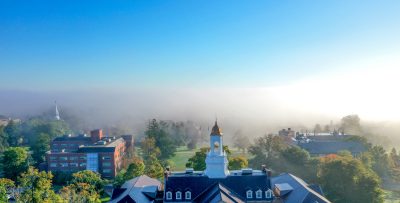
(216, 160)
(57, 113)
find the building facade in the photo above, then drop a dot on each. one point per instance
(95, 152)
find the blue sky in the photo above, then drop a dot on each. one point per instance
(68, 45)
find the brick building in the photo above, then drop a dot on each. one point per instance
(95, 152)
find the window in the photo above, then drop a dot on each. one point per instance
(178, 195)
(106, 170)
(188, 195)
(82, 158)
(259, 194)
(73, 164)
(169, 195)
(106, 164)
(82, 164)
(64, 158)
(53, 165)
(64, 164)
(268, 193)
(106, 158)
(73, 158)
(53, 158)
(249, 194)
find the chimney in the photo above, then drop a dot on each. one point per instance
(166, 173)
(96, 135)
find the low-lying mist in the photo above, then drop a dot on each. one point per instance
(254, 111)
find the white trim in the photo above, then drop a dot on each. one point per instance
(258, 194)
(268, 193)
(249, 194)
(178, 195)
(188, 195)
(168, 195)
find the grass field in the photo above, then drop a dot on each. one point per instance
(180, 159)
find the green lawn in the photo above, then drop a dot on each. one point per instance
(182, 155)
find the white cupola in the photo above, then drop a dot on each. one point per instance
(216, 160)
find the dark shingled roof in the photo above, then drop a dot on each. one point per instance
(218, 193)
(198, 183)
(332, 147)
(301, 192)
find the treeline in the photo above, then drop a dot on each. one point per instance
(25, 183)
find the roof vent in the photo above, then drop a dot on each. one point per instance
(247, 171)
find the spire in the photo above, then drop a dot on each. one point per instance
(57, 113)
(216, 130)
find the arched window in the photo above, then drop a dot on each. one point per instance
(168, 195)
(258, 194)
(249, 194)
(268, 193)
(188, 195)
(178, 195)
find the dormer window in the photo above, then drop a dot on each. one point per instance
(168, 195)
(178, 195)
(249, 194)
(188, 195)
(258, 194)
(268, 193)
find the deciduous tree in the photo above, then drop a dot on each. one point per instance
(15, 162)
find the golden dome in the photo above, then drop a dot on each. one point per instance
(216, 130)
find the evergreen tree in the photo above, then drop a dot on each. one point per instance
(162, 140)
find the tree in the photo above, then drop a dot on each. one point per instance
(327, 128)
(86, 186)
(3, 139)
(88, 177)
(317, 128)
(351, 125)
(136, 168)
(12, 132)
(198, 160)
(240, 141)
(149, 148)
(265, 150)
(346, 179)
(37, 187)
(237, 163)
(153, 168)
(15, 161)
(162, 139)
(79, 193)
(296, 155)
(41, 146)
(380, 160)
(5, 186)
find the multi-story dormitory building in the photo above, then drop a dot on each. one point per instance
(95, 152)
